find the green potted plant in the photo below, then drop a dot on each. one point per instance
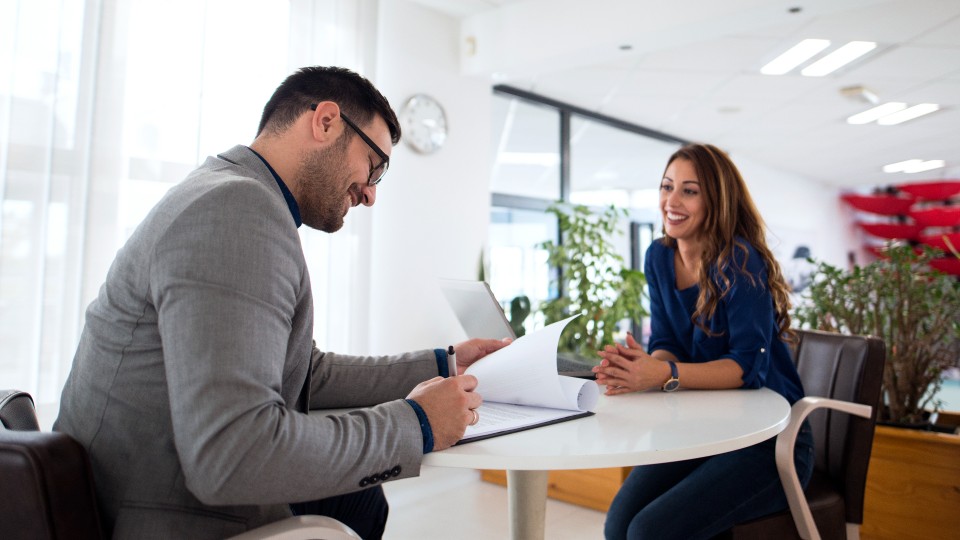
(913, 475)
(595, 282)
(912, 308)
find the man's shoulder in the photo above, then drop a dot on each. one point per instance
(221, 182)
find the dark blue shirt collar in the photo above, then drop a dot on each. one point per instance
(287, 196)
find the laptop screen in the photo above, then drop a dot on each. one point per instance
(476, 308)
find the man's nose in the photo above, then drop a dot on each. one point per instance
(368, 195)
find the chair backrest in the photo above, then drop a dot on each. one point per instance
(47, 490)
(848, 368)
(17, 412)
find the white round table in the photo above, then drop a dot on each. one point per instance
(627, 430)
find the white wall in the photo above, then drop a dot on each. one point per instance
(432, 211)
(798, 209)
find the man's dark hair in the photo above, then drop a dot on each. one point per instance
(353, 93)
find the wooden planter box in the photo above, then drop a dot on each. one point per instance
(913, 484)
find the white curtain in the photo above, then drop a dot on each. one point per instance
(105, 104)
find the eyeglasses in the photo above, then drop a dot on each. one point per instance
(374, 178)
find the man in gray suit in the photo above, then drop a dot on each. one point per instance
(196, 367)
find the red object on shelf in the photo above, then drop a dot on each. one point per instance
(881, 251)
(937, 241)
(947, 265)
(942, 216)
(887, 205)
(892, 230)
(932, 191)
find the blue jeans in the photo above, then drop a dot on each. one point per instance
(700, 498)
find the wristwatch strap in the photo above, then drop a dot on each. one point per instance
(674, 381)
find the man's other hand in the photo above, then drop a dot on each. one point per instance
(472, 350)
(448, 403)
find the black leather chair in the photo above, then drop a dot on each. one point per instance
(48, 485)
(47, 488)
(841, 375)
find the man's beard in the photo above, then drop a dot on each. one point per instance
(322, 173)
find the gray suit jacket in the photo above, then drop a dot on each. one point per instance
(195, 368)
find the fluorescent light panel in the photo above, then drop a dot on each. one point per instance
(914, 166)
(877, 112)
(838, 58)
(908, 114)
(901, 166)
(926, 166)
(796, 55)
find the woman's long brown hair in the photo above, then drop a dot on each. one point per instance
(729, 213)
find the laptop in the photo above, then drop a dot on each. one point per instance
(481, 316)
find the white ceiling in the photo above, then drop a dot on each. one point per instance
(693, 71)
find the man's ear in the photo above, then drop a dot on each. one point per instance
(324, 126)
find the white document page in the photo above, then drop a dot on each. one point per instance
(521, 388)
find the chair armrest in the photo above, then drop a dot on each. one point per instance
(301, 528)
(788, 474)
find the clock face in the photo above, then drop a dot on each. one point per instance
(424, 124)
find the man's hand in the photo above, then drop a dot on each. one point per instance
(448, 403)
(472, 350)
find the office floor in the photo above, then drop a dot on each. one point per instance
(455, 504)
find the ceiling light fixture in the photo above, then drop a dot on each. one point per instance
(838, 58)
(877, 112)
(908, 114)
(914, 166)
(796, 55)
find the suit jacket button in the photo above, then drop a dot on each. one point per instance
(384, 476)
(364, 482)
(396, 471)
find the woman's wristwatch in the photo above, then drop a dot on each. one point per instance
(674, 381)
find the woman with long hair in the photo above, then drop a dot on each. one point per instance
(719, 319)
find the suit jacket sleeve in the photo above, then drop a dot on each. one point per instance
(361, 381)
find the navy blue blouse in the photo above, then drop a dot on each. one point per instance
(744, 324)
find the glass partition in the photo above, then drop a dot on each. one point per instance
(545, 151)
(526, 160)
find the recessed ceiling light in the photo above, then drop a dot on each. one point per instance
(796, 55)
(879, 111)
(838, 58)
(908, 114)
(914, 166)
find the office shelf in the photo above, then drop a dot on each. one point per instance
(937, 240)
(941, 216)
(932, 191)
(892, 231)
(947, 265)
(886, 205)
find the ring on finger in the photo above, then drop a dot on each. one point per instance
(476, 417)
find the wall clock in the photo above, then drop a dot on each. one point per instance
(424, 124)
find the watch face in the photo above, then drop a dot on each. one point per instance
(671, 385)
(424, 124)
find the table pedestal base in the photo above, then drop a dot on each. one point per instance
(527, 499)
